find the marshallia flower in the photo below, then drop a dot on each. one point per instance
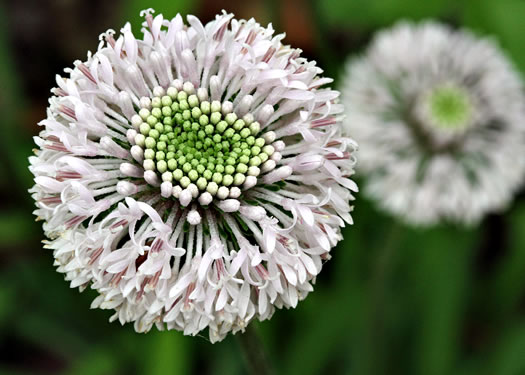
(195, 177)
(440, 119)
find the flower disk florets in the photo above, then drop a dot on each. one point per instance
(193, 144)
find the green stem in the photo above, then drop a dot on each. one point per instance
(253, 352)
(373, 360)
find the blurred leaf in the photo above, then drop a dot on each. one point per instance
(356, 13)
(98, 361)
(7, 303)
(442, 271)
(508, 358)
(50, 334)
(508, 286)
(504, 19)
(16, 148)
(166, 353)
(14, 227)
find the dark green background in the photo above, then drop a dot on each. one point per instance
(393, 300)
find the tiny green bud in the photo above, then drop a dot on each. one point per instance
(185, 182)
(203, 120)
(172, 164)
(212, 188)
(166, 100)
(227, 180)
(177, 174)
(268, 149)
(216, 106)
(259, 142)
(159, 127)
(255, 161)
(160, 155)
(244, 159)
(149, 154)
(202, 183)
(229, 169)
(229, 132)
(196, 112)
(207, 174)
(239, 179)
(217, 177)
(215, 117)
(154, 133)
(140, 140)
(186, 167)
(184, 105)
(221, 126)
(150, 142)
(156, 102)
(206, 107)
(200, 168)
(230, 118)
(167, 176)
(238, 125)
(193, 175)
(172, 92)
(193, 101)
(162, 166)
(166, 111)
(156, 112)
(245, 132)
(242, 168)
(144, 128)
(182, 96)
(151, 120)
(144, 113)
(263, 157)
(255, 128)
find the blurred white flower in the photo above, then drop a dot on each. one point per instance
(197, 177)
(440, 119)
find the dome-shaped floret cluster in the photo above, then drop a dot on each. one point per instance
(196, 178)
(196, 149)
(440, 116)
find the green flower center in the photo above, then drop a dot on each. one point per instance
(450, 107)
(189, 141)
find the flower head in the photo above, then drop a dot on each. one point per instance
(196, 177)
(440, 116)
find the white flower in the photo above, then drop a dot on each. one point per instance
(439, 115)
(196, 177)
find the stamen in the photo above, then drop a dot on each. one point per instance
(332, 156)
(67, 111)
(323, 122)
(84, 69)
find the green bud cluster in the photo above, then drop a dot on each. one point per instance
(186, 140)
(450, 107)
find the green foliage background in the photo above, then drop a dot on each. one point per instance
(393, 300)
